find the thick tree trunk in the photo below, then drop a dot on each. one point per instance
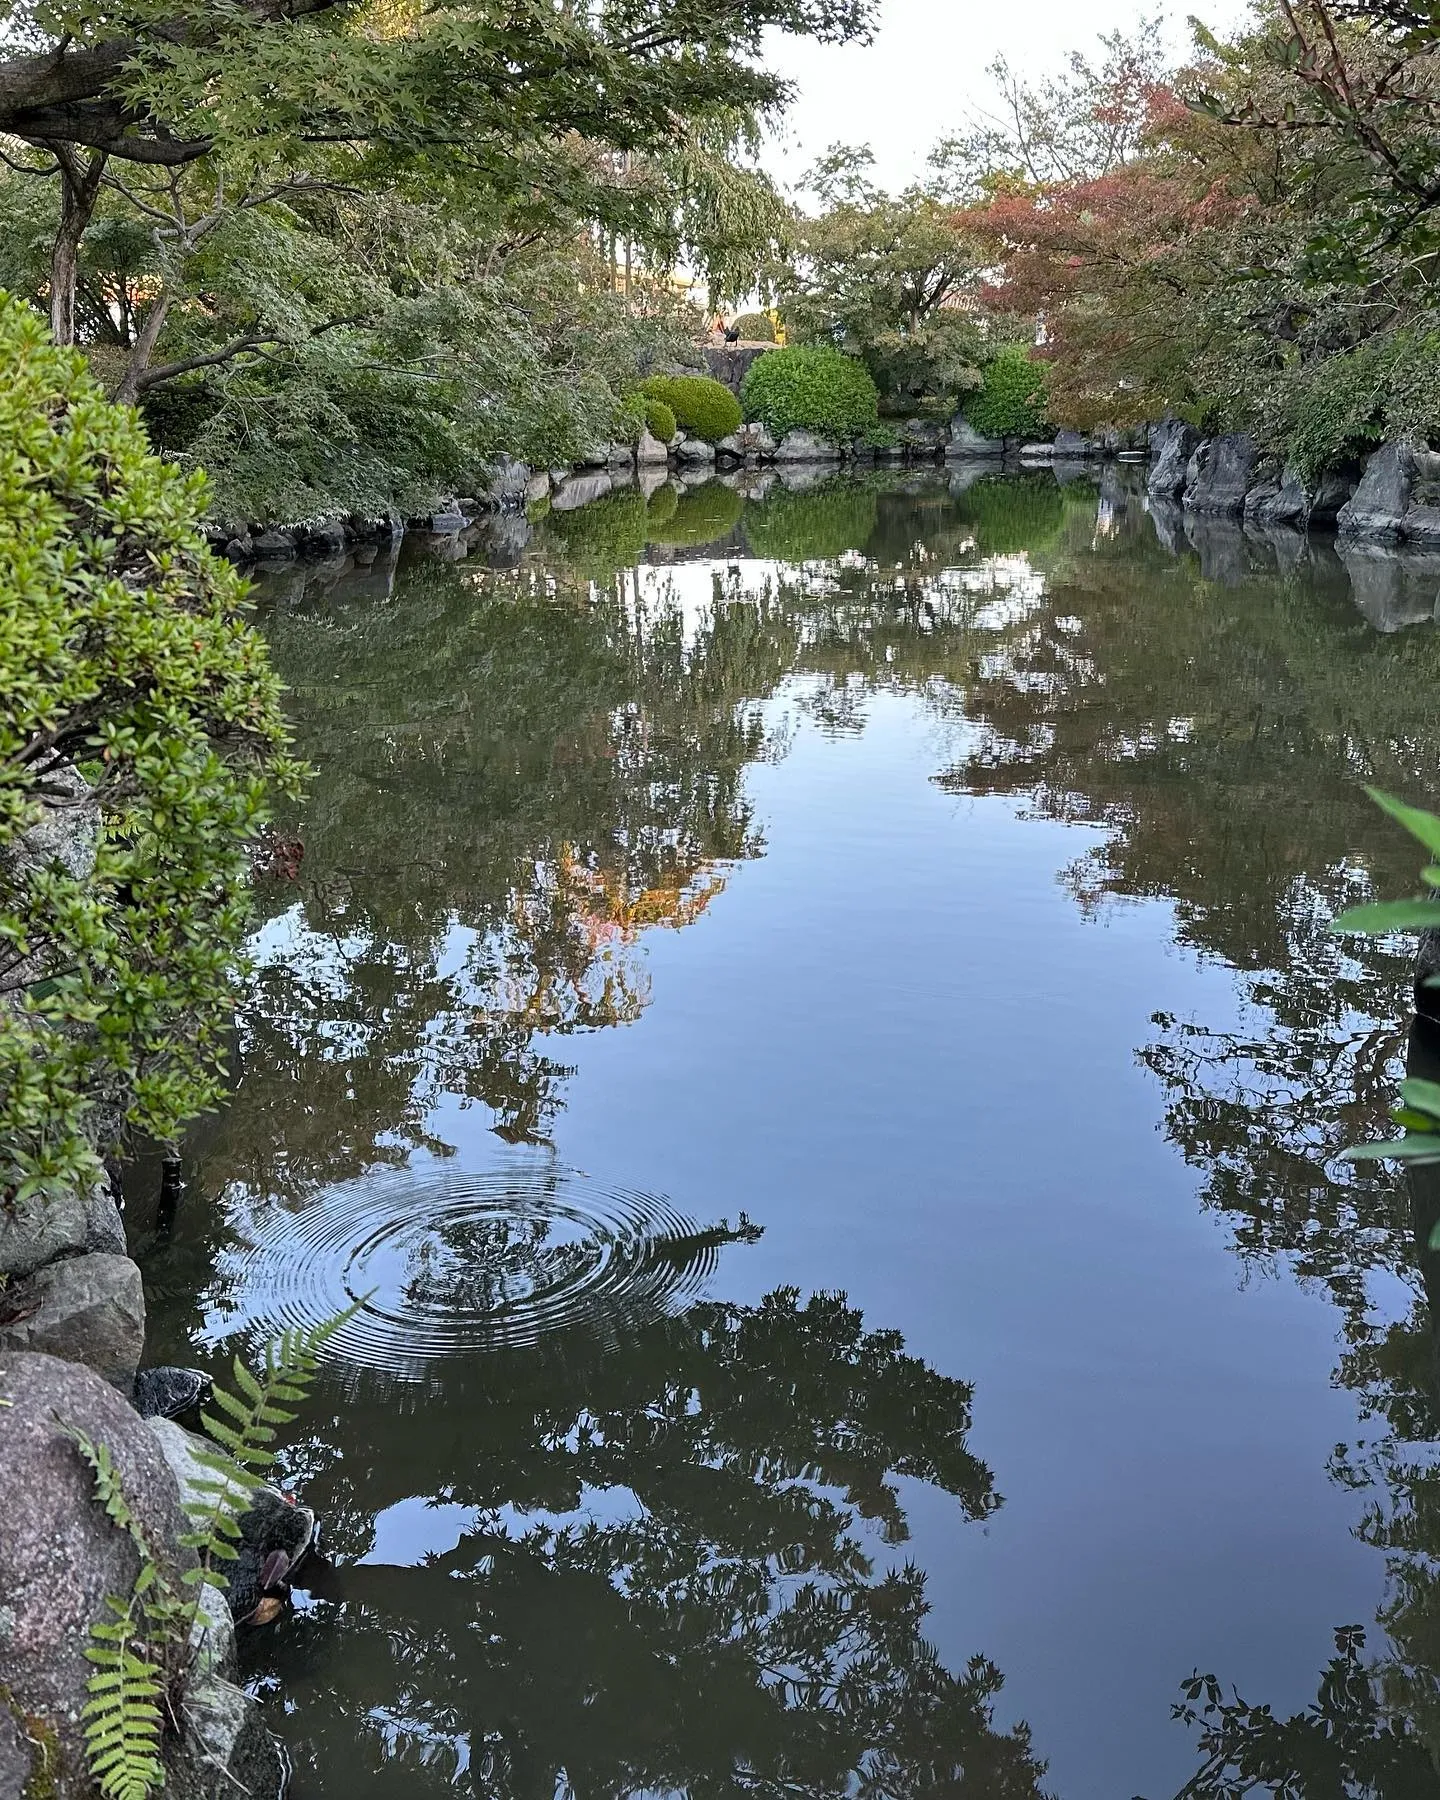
(79, 190)
(128, 392)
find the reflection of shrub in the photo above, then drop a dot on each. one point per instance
(702, 406)
(662, 505)
(811, 527)
(755, 328)
(699, 516)
(1010, 513)
(811, 388)
(607, 534)
(660, 421)
(1011, 400)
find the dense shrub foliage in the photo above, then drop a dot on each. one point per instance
(660, 421)
(702, 406)
(811, 388)
(125, 656)
(754, 328)
(1010, 403)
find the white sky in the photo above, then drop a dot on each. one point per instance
(926, 70)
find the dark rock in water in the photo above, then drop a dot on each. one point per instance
(1393, 588)
(88, 1309)
(1220, 474)
(272, 545)
(1332, 492)
(272, 1523)
(1427, 975)
(1172, 443)
(59, 1554)
(322, 537)
(167, 1392)
(1377, 508)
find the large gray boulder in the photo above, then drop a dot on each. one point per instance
(89, 1309)
(1172, 444)
(966, 442)
(1377, 508)
(695, 452)
(1220, 473)
(804, 446)
(60, 1556)
(923, 437)
(1287, 498)
(68, 1223)
(506, 483)
(650, 453)
(1072, 446)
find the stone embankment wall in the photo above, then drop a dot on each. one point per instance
(72, 1340)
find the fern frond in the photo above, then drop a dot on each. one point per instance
(122, 1719)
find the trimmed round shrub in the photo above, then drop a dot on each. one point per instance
(811, 388)
(1010, 402)
(702, 406)
(755, 328)
(699, 516)
(661, 506)
(660, 421)
(140, 734)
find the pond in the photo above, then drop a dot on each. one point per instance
(803, 1016)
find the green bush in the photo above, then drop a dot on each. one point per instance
(1010, 402)
(754, 328)
(661, 506)
(698, 516)
(660, 421)
(811, 388)
(142, 706)
(703, 407)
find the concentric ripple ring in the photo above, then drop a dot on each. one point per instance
(439, 1262)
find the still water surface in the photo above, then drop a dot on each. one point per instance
(806, 1019)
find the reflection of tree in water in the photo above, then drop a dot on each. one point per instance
(663, 1583)
(1221, 735)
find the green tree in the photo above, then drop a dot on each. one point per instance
(889, 278)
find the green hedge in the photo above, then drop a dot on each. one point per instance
(126, 662)
(660, 421)
(1010, 403)
(703, 407)
(811, 388)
